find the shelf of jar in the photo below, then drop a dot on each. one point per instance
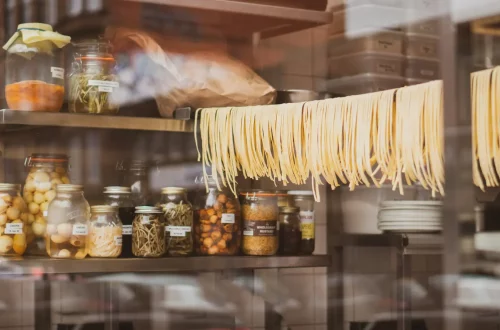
(14, 120)
(45, 265)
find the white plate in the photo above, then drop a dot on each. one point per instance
(407, 225)
(411, 204)
(412, 230)
(410, 213)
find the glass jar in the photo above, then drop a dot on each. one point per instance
(135, 176)
(68, 223)
(13, 218)
(92, 79)
(46, 171)
(148, 232)
(283, 198)
(260, 223)
(304, 200)
(217, 221)
(105, 233)
(290, 236)
(34, 68)
(120, 198)
(178, 214)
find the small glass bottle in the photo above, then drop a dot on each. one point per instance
(290, 236)
(120, 198)
(148, 232)
(178, 214)
(13, 220)
(68, 223)
(105, 234)
(304, 200)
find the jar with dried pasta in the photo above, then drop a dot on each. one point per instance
(13, 218)
(260, 223)
(148, 232)
(46, 171)
(105, 233)
(67, 223)
(217, 221)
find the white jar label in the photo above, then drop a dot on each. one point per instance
(307, 224)
(104, 83)
(178, 231)
(105, 89)
(57, 72)
(127, 230)
(80, 230)
(118, 240)
(227, 218)
(247, 232)
(13, 228)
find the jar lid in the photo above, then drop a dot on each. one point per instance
(103, 208)
(69, 187)
(289, 209)
(301, 193)
(173, 190)
(9, 186)
(46, 158)
(281, 193)
(117, 190)
(148, 209)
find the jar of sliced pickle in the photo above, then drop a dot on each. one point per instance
(217, 222)
(148, 232)
(260, 223)
(68, 223)
(46, 171)
(13, 218)
(105, 234)
(178, 214)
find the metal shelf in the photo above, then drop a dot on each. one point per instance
(30, 265)
(13, 120)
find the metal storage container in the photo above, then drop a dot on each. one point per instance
(390, 42)
(421, 46)
(363, 83)
(422, 68)
(359, 63)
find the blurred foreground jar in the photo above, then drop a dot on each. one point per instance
(34, 77)
(13, 218)
(217, 221)
(68, 223)
(105, 234)
(120, 198)
(304, 200)
(178, 214)
(46, 171)
(148, 232)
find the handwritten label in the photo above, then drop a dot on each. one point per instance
(105, 89)
(103, 83)
(79, 229)
(14, 228)
(127, 230)
(118, 240)
(57, 72)
(227, 218)
(178, 231)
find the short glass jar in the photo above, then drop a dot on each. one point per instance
(148, 232)
(217, 221)
(105, 233)
(290, 236)
(260, 223)
(68, 223)
(304, 200)
(46, 171)
(93, 79)
(120, 198)
(178, 214)
(13, 219)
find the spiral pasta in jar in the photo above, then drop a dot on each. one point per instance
(68, 223)
(46, 171)
(105, 233)
(13, 218)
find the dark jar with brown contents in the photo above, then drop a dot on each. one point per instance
(289, 231)
(120, 197)
(304, 200)
(217, 221)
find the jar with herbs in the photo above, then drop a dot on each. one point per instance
(178, 214)
(148, 232)
(304, 200)
(260, 223)
(289, 232)
(13, 220)
(68, 223)
(120, 197)
(105, 233)
(217, 221)
(93, 79)
(46, 171)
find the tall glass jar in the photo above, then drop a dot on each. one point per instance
(217, 221)
(93, 79)
(148, 232)
(260, 223)
(68, 223)
(46, 171)
(120, 198)
(304, 200)
(178, 214)
(34, 77)
(290, 236)
(13, 218)
(105, 234)
(135, 176)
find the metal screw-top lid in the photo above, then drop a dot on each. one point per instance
(173, 190)
(103, 209)
(69, 187)
(148, 209)
(289, 209)
(117, 190)
(9, 186)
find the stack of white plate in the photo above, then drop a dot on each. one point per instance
(410, 216)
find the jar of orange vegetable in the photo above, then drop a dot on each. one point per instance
(34, 79)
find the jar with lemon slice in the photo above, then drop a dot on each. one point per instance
(34, 79)
(13, 218)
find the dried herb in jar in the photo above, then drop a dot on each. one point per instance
(148, 235)
(179, 219)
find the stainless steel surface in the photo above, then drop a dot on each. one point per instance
(299, 95)
(13, 119)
